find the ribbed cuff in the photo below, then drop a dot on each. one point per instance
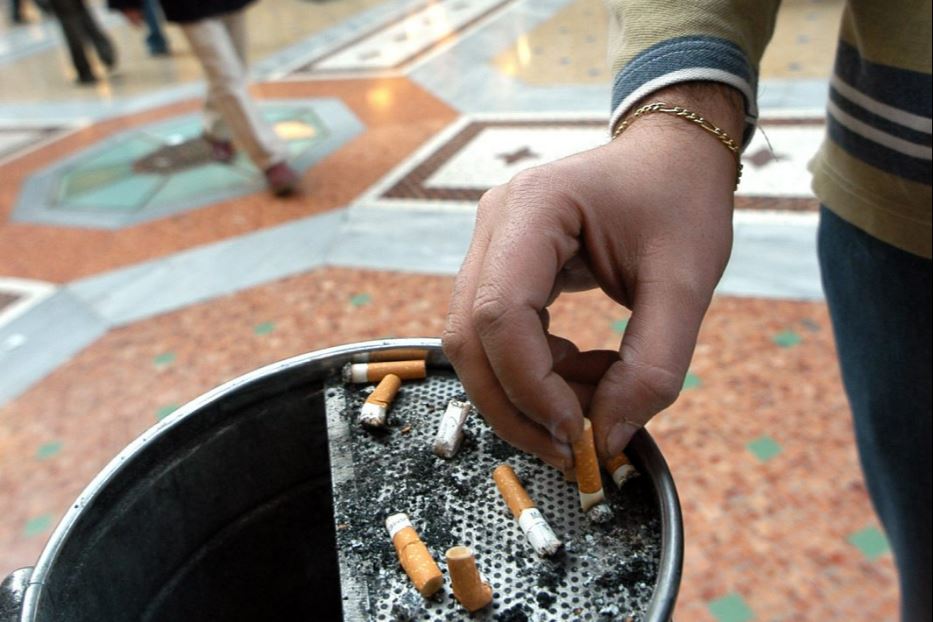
(686, 59)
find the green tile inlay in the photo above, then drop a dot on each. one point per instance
(119, 196)
(691, 381)
(264, 328)
(787, 338)
(360, 299)
(619, 325)
(35, 526)
(164, 360)
(47, 450)
(871, 542)
(764, 448)
(731, 608)
(165, 411)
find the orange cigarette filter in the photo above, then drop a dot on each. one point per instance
(620, 468)
(385, 391)
(398, 354)
(468, 585)
(532, 523)
(374, 372)
(616, 461)
(414, 556)
(373, 413)
(512, 490)
(589, 480)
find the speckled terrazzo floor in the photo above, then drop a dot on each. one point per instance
(118, 324)
(764, 462)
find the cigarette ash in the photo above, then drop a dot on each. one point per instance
(604, 571)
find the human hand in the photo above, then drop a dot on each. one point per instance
(648, 219)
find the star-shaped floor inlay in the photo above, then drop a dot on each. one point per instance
(518, 155)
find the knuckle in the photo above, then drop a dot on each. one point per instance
(654, 388)
(488, 312)
(487, 203)
(659, 387)
(531, 184)
(454, 342)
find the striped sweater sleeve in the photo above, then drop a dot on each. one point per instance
(658, 43)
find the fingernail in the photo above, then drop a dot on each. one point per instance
(566, 429)
(619, 436)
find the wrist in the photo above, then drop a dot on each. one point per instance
(721, 104)
(671, 115)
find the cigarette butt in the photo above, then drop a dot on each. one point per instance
(467, 583)
(374, 372)
(450, 430)
(414, 556)
(373, 413)
(533, 524)
(396, 354)
(589, 480)
(621, 469)
(512, 490)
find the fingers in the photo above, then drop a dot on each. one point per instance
(574, 276)
(581, 367)
(653, 360)
(465, 351)
(526, 252)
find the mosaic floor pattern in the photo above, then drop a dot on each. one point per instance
(136, 274)
(166, 168)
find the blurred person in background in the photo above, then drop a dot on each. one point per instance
(216, 32)
(155, 39)
(16, 10)
(80, 28)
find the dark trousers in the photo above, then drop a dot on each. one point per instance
(879, 301)
(155, 40)
(80, 28)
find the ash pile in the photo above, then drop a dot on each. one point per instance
(602, 572)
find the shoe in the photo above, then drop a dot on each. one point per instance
(281, 179)
(86, 80)
(222, 150)
(159, 51)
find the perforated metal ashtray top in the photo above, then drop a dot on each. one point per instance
(605, 572)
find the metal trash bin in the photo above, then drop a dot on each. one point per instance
(224, 511)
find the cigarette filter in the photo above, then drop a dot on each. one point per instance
(621, 469)
(450, 431)
(467, 583)
(374, 372)
(589, 480)
(533, 524)
(414, 556)
(373, 413)
(397, 354)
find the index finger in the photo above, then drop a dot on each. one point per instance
(465, 352)
(537, 236)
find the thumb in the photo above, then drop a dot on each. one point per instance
(653, 359)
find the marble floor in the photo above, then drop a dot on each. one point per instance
(136, 273)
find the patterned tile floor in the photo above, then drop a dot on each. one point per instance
(107, 326)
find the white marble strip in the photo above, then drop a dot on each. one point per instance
(30, 293)
(404, 39)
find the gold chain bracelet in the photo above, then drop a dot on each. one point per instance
(693, 117)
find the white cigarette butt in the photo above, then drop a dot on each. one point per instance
(538, 532)
(450, 431)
